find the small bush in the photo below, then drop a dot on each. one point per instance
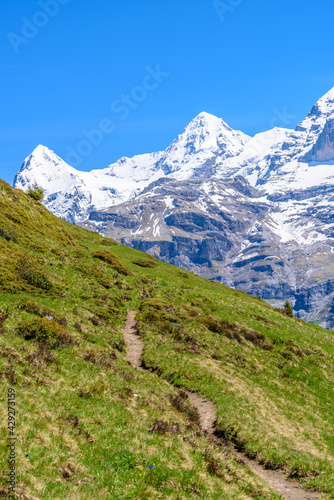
(111, 259)
(212, 324)
(204, 302)
(154, 304)
(160, 313)
(45, 331)
(8, 235)
(36, 192)
(235, 331)
(108, 242)
(34, 307)
(145, 263)
(32, 275)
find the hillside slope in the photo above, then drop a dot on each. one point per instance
(89, 424)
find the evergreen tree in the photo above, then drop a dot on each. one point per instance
(36, 192)
(288, 309)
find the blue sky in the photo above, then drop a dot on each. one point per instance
(67, 67)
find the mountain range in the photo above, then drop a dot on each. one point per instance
(255, 213)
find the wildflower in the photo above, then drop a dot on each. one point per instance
(150, 466)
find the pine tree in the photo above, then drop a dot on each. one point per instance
(36, 192)
(288, 309)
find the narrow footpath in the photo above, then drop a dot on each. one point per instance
(289, 490)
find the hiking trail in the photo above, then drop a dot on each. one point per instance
(289, 490)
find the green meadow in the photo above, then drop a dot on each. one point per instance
(88, 424)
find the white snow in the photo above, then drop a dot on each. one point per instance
(169, 202)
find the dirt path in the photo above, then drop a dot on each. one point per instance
(134, 344)
(206, 410)
(289, 490)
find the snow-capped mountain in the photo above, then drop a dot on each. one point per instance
(73, 194)
(254, 213)
(194, 152)
(283, 160)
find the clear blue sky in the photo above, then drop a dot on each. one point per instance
(249, 65)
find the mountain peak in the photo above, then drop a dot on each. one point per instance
(206, 120)
(318, 128)
(206, 116)
(39, 157)
(325, 105)
(208, 131)
(40, 147)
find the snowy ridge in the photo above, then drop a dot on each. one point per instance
(73, 194)
(284, 164)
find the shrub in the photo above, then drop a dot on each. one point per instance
(95, 321)
(108, 242)
(34, 307)
(145, 263)
(33, 276)
(36, 192)
(111, 259)
(45, 331)
(159, 313)
(8, 234)
(204, 302)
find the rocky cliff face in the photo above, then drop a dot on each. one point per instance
(254, 213)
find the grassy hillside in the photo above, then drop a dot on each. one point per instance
(88, 424)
